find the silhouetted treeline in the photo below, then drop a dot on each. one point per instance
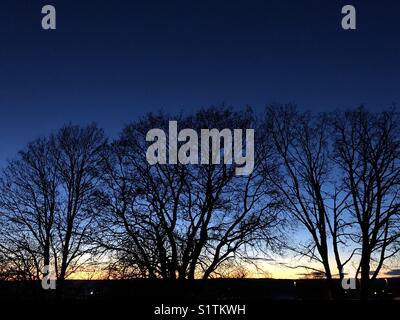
(76, 201)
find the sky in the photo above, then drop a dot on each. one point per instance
(112, 61)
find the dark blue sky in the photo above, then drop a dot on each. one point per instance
(110, 61)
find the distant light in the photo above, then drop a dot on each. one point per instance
(91, 293)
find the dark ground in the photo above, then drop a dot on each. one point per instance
(138, 299)
(188, 291)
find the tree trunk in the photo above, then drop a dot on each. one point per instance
(365, 280)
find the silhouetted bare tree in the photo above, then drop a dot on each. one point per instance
(368, 152)
(28, 200)
(183, 221)
(47, 201)
(301, 147)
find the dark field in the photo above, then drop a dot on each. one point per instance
(192, 291)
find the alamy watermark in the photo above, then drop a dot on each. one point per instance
(348, 21)
(48, 280)
(192, 152)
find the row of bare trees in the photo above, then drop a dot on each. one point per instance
(339, 178)
(74, 199)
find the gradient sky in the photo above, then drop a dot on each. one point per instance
(110, 61)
